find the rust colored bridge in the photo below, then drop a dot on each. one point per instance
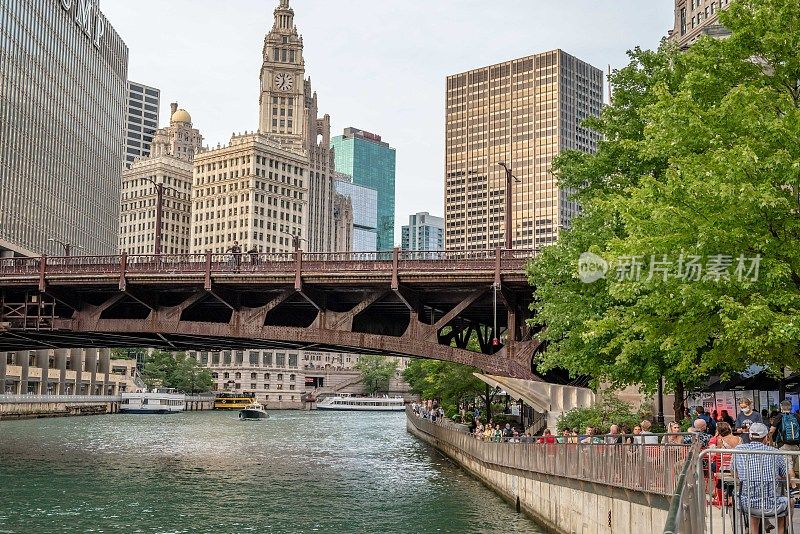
(424, 304)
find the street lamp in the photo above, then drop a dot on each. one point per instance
(295, 240)
(160, 187)
(509, 217)
(67, 246)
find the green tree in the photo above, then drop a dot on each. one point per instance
(698, 159)
(451, 383)
(376, 371)
(158, 369)
(189, 377)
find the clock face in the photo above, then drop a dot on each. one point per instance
(284, 81)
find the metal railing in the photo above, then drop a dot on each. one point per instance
(735, 491)
(284, 262)
(69, 399)
(649, 468)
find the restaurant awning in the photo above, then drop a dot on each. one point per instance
(541, 396)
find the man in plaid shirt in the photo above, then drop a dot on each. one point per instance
(760, 476)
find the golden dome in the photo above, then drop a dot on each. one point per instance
(181, 116)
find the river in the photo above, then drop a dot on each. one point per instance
(198, 472)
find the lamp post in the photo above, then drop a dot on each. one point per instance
(510, 178)
(67, 246)
(296, 239)
(160, 187)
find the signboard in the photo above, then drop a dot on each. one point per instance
(768, 400)
(726, 400)
(88, 18)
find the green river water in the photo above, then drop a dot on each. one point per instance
(208, 472)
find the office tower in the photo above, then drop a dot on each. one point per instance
(522, 113)
(63, 73)
(371, 163)
(423, 232)
(143, 106)
(695, 18)
(170, 164)
(365, 214)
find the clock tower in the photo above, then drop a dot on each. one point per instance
(282, 80)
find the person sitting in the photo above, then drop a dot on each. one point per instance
(760, 476)
(698, 430)
(673, 437)
(613, 437)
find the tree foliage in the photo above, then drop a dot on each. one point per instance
(376, 371)
(699, 158)
(609, 410)
(165, 369)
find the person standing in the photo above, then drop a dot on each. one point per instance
(784, 431)
(746, 418)
(711, 425)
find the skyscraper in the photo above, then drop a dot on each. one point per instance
(371, 163)
(143, 105)
(523, 113)
(695, 18)
(170, 164)
(423, 232)
(63, 73)
(365, 214)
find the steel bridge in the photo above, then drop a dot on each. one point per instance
(403, 303)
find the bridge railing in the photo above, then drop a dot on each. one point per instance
(448, 260)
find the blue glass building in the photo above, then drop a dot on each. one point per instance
(371, 163)
(365, 214)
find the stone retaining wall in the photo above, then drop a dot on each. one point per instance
(561, 504)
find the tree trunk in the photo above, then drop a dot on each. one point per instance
(488, 404)
(678, 404)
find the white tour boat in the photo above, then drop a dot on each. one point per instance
(253, 412)
(363, 404)
(159, 401)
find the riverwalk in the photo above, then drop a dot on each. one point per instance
(599, 487)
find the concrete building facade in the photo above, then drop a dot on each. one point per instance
(522, 112)
(171, 164)
(63, 75)
(142, 120)
(289, 117)
(371, 163)
(423, 232)
(695, 18)
(66, 372)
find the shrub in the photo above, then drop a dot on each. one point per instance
(607, 411)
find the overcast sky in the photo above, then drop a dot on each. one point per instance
(376, 65)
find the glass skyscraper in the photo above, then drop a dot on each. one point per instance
(143, 104)
(63, 73)
(365, 214)
(371, 163)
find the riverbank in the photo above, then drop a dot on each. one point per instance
(15, 407)
(565, 488)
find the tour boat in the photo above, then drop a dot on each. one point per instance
(233, 401)
(363, 404)
(253, 412)
(152, 402)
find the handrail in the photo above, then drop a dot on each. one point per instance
(449, 260)
(37, 399)
(680, 488)
(629, 466)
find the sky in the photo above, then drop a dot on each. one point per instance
(380, 66)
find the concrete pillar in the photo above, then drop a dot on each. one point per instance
(76, 364)
(90, 363)
(104, 367)
(61, 365)
(23, 359)
(43, 363)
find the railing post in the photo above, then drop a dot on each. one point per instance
(123, 269)
(395, 268)
(42, 271)
(298, 269)
(207, 283)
